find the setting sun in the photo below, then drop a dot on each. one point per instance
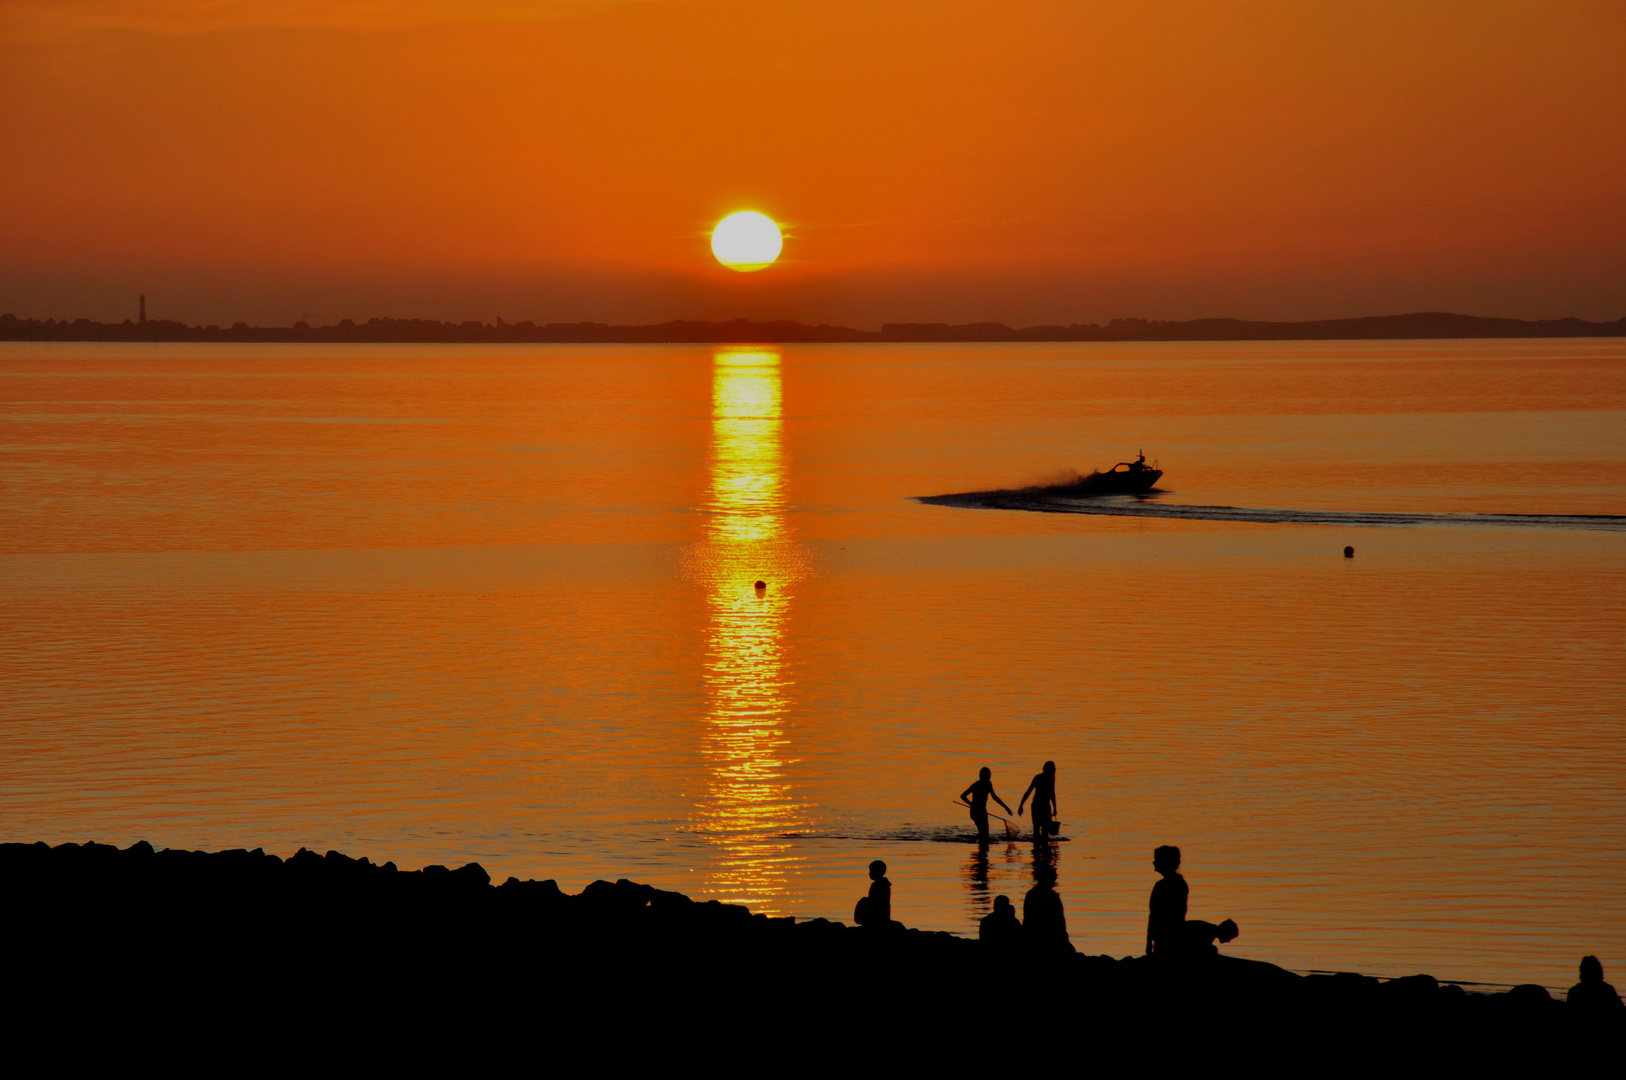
(746, 241)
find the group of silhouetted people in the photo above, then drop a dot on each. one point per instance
(1170, 935)
(1042, 788)
(1043, 924)
(1168, 932)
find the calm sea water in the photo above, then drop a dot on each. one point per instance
(497, 604)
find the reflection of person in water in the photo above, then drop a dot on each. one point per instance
(976, 878)
(876, 908)
(1592, 995)
(1043, 790)
(979, 793)
(1044, 923)
(1000, 927)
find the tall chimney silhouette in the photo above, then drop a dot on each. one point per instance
(143, 307)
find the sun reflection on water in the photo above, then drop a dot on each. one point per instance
(749, 805)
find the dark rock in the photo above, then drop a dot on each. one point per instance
(364, 960)
(618, 897)
(1411, 988)
(472, 874)
(1531, 998)
(304, 860)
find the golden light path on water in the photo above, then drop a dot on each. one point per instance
(748, 806)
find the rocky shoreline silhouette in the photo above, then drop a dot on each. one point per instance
(242, 960)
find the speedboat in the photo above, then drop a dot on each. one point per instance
(1125, 478)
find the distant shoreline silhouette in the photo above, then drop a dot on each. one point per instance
(1420, 325)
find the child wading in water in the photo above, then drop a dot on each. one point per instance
(976, 796)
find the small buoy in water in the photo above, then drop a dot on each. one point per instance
(762, 586)
(1349, 552)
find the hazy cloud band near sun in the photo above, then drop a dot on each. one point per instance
(934, 160)
(24, 20)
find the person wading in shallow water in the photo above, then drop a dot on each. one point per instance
(980, 792)
(1043, 790)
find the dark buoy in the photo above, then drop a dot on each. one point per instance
(1349, 552)
(762, 586)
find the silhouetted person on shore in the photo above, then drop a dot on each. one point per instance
(1169, 933)
(1165, 927)
(1000, 926)
(1044, 924)
(1043, 790)
(1197, 937)
(980, 792)
(876, 908)
(1592, 995)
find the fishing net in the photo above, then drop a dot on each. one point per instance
(1013, 831)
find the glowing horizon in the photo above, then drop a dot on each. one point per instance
(1051, 164)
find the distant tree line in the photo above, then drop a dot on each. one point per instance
(743, 331)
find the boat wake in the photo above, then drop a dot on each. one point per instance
(1052, 500)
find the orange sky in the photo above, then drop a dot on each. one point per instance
(1021, 161)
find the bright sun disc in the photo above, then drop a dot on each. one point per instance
(746, 241)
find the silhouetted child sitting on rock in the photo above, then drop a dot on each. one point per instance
(1592, 995)
(1168, 932)
(876, 908)
(1000, 926)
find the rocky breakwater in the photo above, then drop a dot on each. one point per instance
(243, 959)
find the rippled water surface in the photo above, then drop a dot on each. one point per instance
(499, 604)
